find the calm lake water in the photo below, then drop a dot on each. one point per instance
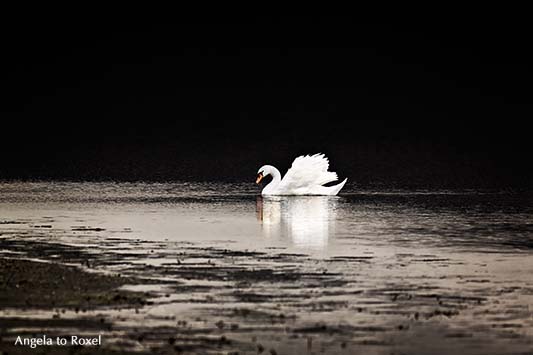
(210, 213)
(405, 271)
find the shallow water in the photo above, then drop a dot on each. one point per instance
(413, 271)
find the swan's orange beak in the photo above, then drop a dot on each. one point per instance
(259, 178)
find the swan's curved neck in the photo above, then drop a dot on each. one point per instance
(276, 179)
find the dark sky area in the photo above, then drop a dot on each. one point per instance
(399, 105)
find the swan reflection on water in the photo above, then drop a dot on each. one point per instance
(306, 220)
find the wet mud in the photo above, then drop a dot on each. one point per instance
(169, 297)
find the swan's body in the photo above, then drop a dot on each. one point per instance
(305, 177)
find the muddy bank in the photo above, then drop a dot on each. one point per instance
(52, 291)
(31, 284)
(167, 297)
(189, 299)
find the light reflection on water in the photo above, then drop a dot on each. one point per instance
(307, 221)
(224, 213)
(414, 271)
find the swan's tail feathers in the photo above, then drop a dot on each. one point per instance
(326, 177)
(334, 190)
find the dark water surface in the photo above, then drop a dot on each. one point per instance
(235, 213)
(368, 271)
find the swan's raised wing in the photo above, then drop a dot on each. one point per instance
(307, 171)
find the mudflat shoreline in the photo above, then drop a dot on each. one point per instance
(37, 286)
(175, 298)
(30, 284)
(172, 268)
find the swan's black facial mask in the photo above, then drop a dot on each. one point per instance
(259, 178)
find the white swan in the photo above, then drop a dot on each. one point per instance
(305, 177)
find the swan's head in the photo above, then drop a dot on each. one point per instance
(263, 171)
